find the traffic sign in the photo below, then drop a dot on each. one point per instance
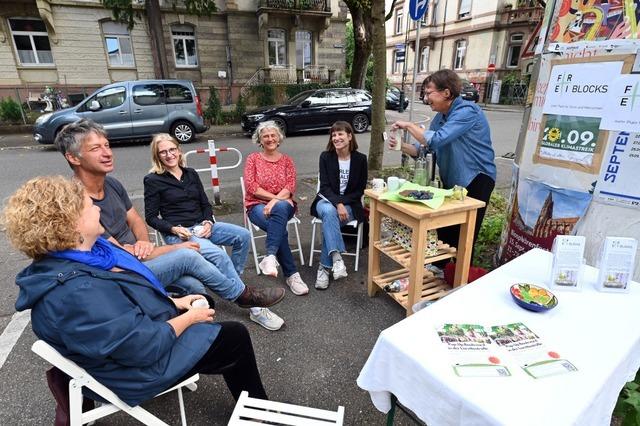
(417, 8)
(491, 68)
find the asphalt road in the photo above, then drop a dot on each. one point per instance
(314, 360)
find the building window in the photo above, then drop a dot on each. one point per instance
(277, 47)
(31, 41)
(461, 52)
(118, 44)
(424, 60)
(398, 27)
(303, 48)
(515, 49)
(422, 21)
(434, 13)
(464, 11)
(184, 46)
(398, 61)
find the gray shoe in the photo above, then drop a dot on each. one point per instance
(339, 269)
(267, 319)
(322, 279)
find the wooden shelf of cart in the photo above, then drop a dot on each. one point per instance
(419, 218)
(403, 256)
(432, 288)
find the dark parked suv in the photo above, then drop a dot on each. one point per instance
(133, 110)
(315, 109)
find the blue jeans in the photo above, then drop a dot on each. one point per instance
(277, 241)
(187, 269)
(331, 236)
(223, 234)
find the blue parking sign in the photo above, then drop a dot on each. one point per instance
(417, 8)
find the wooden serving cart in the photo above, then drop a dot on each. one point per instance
(420, 219)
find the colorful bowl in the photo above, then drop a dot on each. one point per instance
(532, 297)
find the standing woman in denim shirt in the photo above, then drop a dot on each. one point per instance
(460, 137)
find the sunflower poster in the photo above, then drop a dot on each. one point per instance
(571, 142)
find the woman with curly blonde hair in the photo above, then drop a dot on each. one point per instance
(38, 228)
(97, 304)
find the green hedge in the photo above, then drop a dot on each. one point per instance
(10, 110)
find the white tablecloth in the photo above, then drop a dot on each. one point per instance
(598, 332)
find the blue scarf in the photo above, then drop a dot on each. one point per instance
(104, 255)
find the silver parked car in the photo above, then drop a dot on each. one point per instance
(133, 110)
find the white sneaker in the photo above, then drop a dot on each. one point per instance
(339, 270)
(269, 266)
(267, 319)
(297, 286)
(322, 279)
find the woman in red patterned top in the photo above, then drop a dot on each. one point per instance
(270, 183)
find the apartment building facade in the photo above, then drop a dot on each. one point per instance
(75, 45)
(463, 35)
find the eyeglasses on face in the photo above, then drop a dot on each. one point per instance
(166, 152)
(429, 92)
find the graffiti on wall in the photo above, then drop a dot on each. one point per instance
(594, 20)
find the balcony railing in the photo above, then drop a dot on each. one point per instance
(280, 75)
(522, 14)
(311, 5)
(289, 74)
(315, 74)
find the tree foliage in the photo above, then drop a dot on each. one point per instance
(361, 34)
(123, 10)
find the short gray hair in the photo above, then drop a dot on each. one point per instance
(267, 125)
(70, 138)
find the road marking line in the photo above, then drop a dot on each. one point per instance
(12, 333)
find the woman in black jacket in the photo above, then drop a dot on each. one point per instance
(343, 178)
(176, 205)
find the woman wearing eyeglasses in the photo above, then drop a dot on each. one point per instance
(176, 205)
(460, 137)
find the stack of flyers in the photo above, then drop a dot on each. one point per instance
(525, 347)
(568, 252)
(617, 263)
(471, 351)
(474, 352)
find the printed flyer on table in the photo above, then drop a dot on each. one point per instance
(478, 351)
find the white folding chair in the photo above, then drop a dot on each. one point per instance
(81, 378)
(251, 411)
(357, 232)
(257, 233)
